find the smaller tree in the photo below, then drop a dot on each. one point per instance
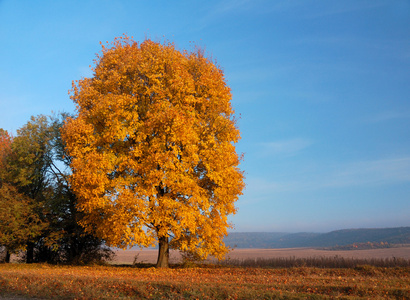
(32, 156)
(71, 243)
(19, 224)
(5, 151)
(38, 210)
(28, 170)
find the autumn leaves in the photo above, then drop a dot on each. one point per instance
(151, 152)
(153, 148)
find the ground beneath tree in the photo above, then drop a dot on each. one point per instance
(16, 297)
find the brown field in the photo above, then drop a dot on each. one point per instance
(150, 255)
(209, 282)
(217, 281)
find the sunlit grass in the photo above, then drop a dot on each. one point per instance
(206, 282)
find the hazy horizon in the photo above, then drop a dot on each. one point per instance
(327, 231)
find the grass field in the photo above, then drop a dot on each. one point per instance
(241, 277)
(150, 255)
(206, 282)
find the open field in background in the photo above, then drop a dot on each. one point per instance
(206, 282)
(247, 274)
(150, 255)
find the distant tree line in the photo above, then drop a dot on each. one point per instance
(38, 209)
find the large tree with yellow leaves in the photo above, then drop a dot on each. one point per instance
(153, 149)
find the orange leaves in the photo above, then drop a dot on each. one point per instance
(153, 147)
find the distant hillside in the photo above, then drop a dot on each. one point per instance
(254, 239)
(399, 235)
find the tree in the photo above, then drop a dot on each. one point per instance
(29, 171)
(32, 156)
(152, 147)
(72, 244)
(19, 224)
(38, 210)
(5, 151)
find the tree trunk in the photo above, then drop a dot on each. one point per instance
(30, 253)
(7, 258)
(163, 253)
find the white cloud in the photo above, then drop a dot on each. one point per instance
(386, 116)
(336, 8)
(362, 174)
(368, 173)
(232, 6)
(286, 147)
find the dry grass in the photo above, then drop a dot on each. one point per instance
(210, 282)
(150, 255)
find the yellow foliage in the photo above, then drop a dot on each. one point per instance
(153, 148)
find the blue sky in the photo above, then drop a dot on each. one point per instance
(322, 87)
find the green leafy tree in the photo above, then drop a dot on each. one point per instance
(36, 173)
(29, 169)
(73, 245)
(19, 223)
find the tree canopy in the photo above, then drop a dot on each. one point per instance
(19, 222)
(38, 210)
(5, 151)
(153, 149)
